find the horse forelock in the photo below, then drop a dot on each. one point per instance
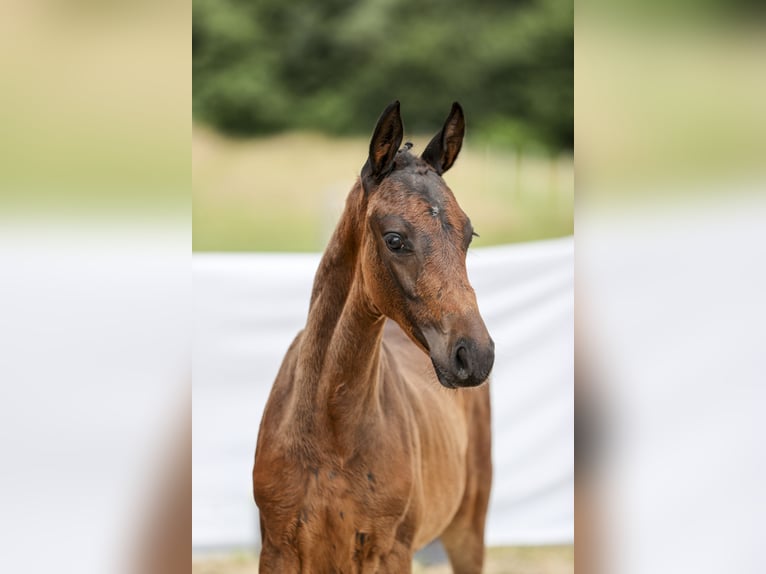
(406, 161)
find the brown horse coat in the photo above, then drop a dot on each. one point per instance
(368, 449)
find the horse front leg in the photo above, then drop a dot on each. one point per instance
(465, 548)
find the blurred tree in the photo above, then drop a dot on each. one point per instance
(262, 66)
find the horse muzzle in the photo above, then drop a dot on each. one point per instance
(461, 361)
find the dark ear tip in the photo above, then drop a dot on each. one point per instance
(456, 108)
(392, 107)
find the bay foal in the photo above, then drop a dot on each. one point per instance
(370, 446)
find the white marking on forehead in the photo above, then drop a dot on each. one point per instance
(434, 210)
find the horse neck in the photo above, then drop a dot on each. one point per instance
(339, 357)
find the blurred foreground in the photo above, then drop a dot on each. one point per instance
(670, 283)
(95, 295)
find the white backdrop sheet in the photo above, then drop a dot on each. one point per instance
(248, 308)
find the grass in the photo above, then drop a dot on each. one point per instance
(501, 560)
(285, 193)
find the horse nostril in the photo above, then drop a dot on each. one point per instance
(462, 362)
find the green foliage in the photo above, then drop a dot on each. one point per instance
(263, 66)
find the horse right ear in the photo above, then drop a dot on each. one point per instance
(442, 150)
(384, 144)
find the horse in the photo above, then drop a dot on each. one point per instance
(375, 439)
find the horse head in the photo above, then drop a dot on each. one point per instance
(414, 246)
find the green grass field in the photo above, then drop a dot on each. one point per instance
(285, 193)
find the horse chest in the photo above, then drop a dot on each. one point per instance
(338, 519)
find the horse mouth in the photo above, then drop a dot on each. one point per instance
(453, 381)
(442, 376)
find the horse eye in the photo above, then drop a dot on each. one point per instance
(394, 241)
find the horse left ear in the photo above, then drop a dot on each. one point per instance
(384, 144)
(442, 150)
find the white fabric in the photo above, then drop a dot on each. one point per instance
(249, 307)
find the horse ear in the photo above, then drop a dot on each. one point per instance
(385, 142)
(442, 150)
